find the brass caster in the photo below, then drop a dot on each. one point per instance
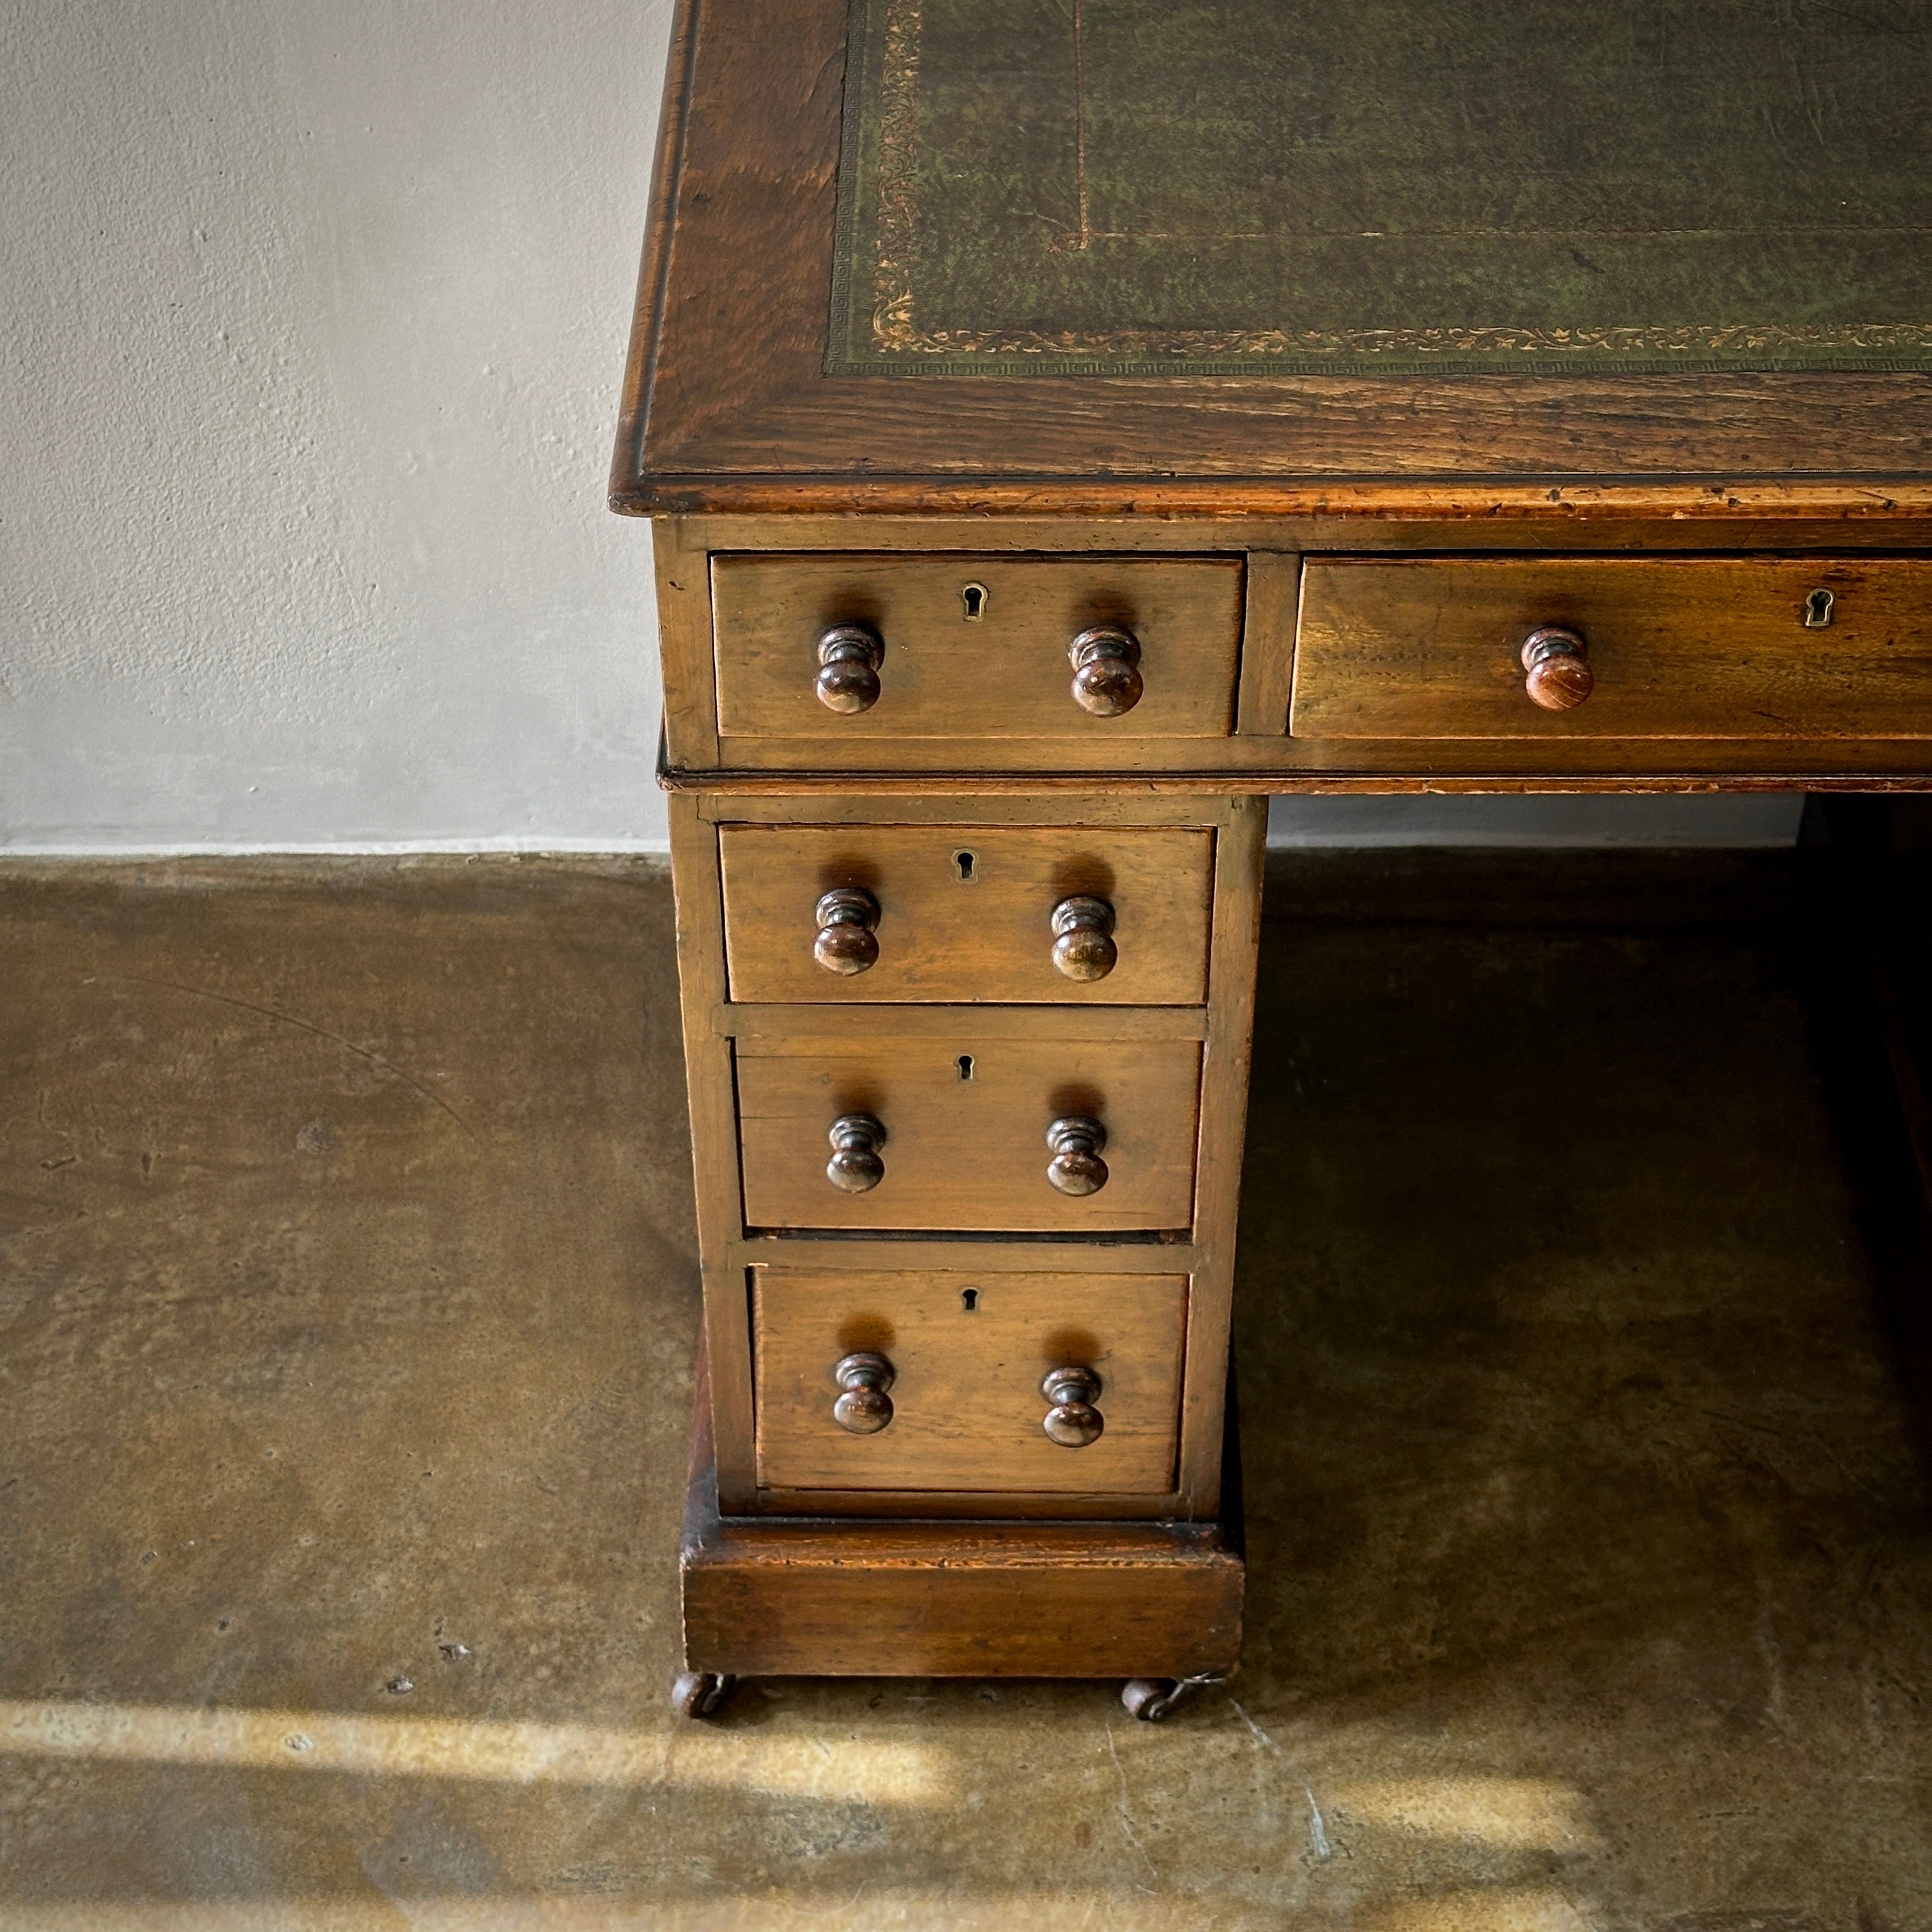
(700, 1693)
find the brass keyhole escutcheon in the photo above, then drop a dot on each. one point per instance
(974, 598)
(1818, 609)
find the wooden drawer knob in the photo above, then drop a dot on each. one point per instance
(1076, 1167)
(1106, 670)
(855, 1167)
(1556, 668)
(1083, 937)
(1073, 1421)
(849, 657)
(863, 1407)
(845, 943)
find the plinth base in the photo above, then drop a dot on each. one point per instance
(792, 1596)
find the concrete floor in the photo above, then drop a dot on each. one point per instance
(345, 1345)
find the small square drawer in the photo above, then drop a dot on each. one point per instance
(951, 1131)
(1614, 647)
(915, 913)
(1045, 1383)
(874, 651)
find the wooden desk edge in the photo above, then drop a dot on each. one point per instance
(1475, 499)
(1264, 784)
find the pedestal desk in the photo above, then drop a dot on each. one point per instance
(1065, 426)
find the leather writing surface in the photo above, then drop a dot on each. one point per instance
(1196, 187)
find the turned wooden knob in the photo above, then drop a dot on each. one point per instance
(1073, 1421)
(1106, 670)
(863, 1407)
(1556, 668)
(1083, 937)
(845, 943)
(849, 657)
(855, 1167)
(1076, 1167)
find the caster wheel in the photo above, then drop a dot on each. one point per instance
(1151, 1698)
(699, 1694)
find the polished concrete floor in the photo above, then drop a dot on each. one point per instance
(346, 1337)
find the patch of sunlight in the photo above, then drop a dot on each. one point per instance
(871, 1771)
(868, 1907)
(1471, 1910)
(1524, 1813)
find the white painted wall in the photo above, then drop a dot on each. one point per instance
(312, 317)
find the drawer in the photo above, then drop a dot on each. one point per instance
(972, 647)
(1688, 648)
(966, 1121)
(966, 1355)
(958, 913)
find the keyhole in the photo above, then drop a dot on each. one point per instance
(973, 597)
(965, 861)
(1818, 609)
(969, 1299)
(965, 1066)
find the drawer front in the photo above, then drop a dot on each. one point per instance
(958, 913)
(1688, 648)
(966, 1123)
(967, 1354)
(945, 674)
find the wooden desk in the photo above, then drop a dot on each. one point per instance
(1063, 431)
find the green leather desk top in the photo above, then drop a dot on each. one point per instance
(1392, 187)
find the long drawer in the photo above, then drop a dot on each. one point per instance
(950, 1131)
(916, 913)
(1628, 647)
(866, 650)
(949, 1380)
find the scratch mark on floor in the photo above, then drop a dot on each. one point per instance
(375, 1060)
(1317, 1830)
(1127, 1810)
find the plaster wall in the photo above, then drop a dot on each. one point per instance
(313, 320)
(311, 326)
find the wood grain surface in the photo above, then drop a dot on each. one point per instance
(714, 1147)
(1682, 649)
(1260, 756)
(717, 1028)
(960, 1599)
(965, 911)
(938, 1600)
(1004, 674)
(968, 1350)
(968, 1153)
